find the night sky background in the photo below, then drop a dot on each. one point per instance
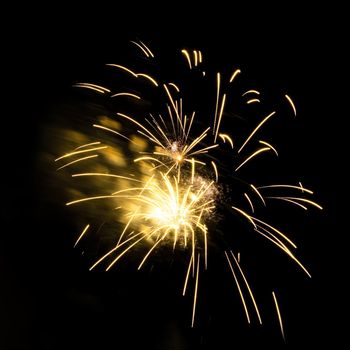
(49, 300)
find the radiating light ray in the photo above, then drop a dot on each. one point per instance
(147, 48)
(278, 315)
(122, 68)
(248, 287)
(225, 137)
(195, 54)
(269, 145)
(292, 104)
(88, 144)
(77, 161)
(195, 291)
(94, 87)
(255, 130)
(253, 100)
(174, 86)
(251, 92)
(290, 201)
(238, 287)
(264, 149)
(303, 189)
(141, 48)
(258, 193)
(82, 234)
(218, 83)
(187, 275)
(79, 152)
(303, 200)
(148, 77)
(97, 126)
(245, 215)
(234, 74)
(186, 54)
(220, 116)
(215, 170)
(126, 94)
(250, 202)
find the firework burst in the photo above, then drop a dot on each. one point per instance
(181, 157)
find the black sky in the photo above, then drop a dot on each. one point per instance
(49, 299)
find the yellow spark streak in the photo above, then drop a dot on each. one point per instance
(149, 252)
(195, 58)
(126, 227)
(82, 234)
(79, 152)
(248, 287)
(258, 193)
(187, 275)
(192, 169)
(139, 46)
(188, 57)
(289, 200)
(89, 87)
(78, 160)
(235, 73)
(218, 83)
(174, 107)
(275, 241)
(126, 94)
(255, 130)
(250, 202)
(292, 104)
(112, 131)
(253, 100)
(147, 77)
(306, 201)
(251, 92)
(94, 85)
(220, 116)
(147, 48)
(142, 127)
(175, 86)
(279, 315)
(301, 186)
(114, 249)
(245, 215)
(88, 144)
(216, 171)
(269, 145)
(89, 199)
(303, 189)
(108, 175)
(225, 137)
(200, 56)
(122, 68)
(195, 292)
(238, 287)
(203, 150)
(196, 140)
(275, 230)
(149, 158)
(264, 149)
(239, 257)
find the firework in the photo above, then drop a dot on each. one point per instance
(182, 160)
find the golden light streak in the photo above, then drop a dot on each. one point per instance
(292, 104)
(289, 200)
(126, 94)
(250, 202)
(187, 275)
(78, 160)
(269, 145)
(218, 83)
(195, 292)
(258, 193)
(195, 58)
(185, 53)
(147, 48)
(245, 215)
(235, 73)
(175, 86)
(139, 46)
(85, 86)
(303, 189)
(238, 287)
(88, 144)
(220, 116)
(152, 80)
(215, 170)
(79, 152)
(99, 87)
(82, 234)
(253, 100)
(251, 92)
(248, 287)
(122, 68)
(225, 137)
(264, 149)
(255, 130)
(200, 56)
(278, 315)
(107, 175)
(97, 126)
(305, 201)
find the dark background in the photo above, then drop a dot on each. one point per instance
(49, 300)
